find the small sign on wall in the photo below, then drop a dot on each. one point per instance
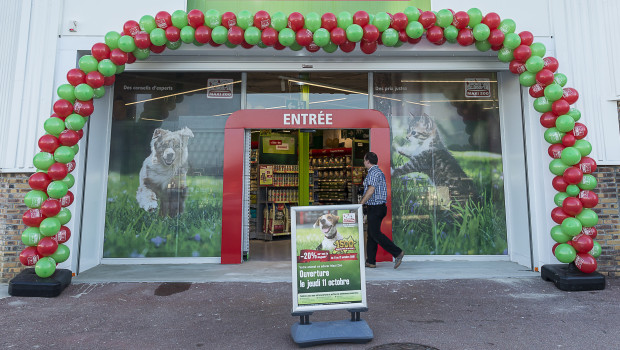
(477, 88)
(220, 88)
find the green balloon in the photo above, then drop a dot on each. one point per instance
(575, 113)
(557, 167)
(279, 21)
(88, 63)
(219, 35)
(505, 54)
(538, 49)
(389, 37)
(43, 161)
(321, 37)
(412, 13)
(583, 146)
(559, 198)
(31, 236)
(565, 253)
(587, 217)
(119, 69)
(213, 18)
(553, 92)
(330, 48)
(174, 45)
(534, 64)
(126, 43)
(106, 67)
(34, 199)
(286, 37)
(57, 189)
(245, 19)
(49, 227)
(553, 135)
(261, 45)
(382, 21)
(84, 92)
(99, 92)
(558, 235)
(588, 182)
(483, 46)
(414, 30)
(475, 17)
(596, 250)
(450, 33)
(65, 91)
(75, 122)
(542, 105)
(64, 154)
(252, 35)
(69, 180)
(345, 19)
(142, 54)
(512, 41)
(64, 216)
(444, 18)
(507, 26)
(147, 24)
(565, 123)
(179, 18)
(560, 79)
(61, 254)
(229, 44)
(354, 33)
(313, 21)
(570, 156)
(45, 267)
(572, 190)
(54, 126)
(158, 37)
(571, 226)
(527, 78)
(111, 39)
(75, 148)
(187, 34)
(481, 31)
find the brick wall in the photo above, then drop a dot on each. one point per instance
(608, 211)
(13, 187)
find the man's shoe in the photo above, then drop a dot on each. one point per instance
(399, 259)
(372, 266)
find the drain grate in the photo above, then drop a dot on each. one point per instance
(402, 346)
(168, 288)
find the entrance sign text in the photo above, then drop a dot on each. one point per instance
(307, 119)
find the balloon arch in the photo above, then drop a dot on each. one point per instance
(50, 195)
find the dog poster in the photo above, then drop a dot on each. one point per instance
(327, 245)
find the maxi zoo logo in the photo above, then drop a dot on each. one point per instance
(349, 218)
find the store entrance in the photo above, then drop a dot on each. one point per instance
(291, 167)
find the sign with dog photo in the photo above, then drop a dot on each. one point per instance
(327, 245)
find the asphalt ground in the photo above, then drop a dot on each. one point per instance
(501, 313)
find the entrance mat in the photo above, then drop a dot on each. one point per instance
(343, 331)
(569, 278)
(28, 284)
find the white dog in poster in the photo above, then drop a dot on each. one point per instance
(163, 172)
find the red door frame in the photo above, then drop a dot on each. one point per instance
(232, 205)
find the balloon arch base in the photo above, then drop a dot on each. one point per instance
(28, 284)
(568, 278)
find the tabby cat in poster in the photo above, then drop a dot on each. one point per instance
(428, 155)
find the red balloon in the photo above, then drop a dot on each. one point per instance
(371, 33)
(516, 67)
(75, 76)
(551, 63)
(313, 47)
(304, 37)
(95, 79)
(296, 21)
(537, 90)
(496, 47)
(588, 198)
(399, 21)
(67, 199)
(47, 246)
(329, 21)
(427, 19)
(590, 231)
(84, 108)
(465, 37)
(402, 36)
(63, 108)
(269, 36)
(492, 20)
(195, 18)
(585, 262)
(555, 150)
(559, 184)
(100, 51)
(50, 207)
(568, 140)
(587, 165)
(229, 19)
(131, 28)
(118, 57)
(441, 41)
(460, 19)
(497, 38)
(579, 131)
(235, 35)
(558, 215)
(527, 38)
(560, 107)
(572, 206)
(203, 34)
(68, 138)
(39, 181)
(48, 143)
(57, 171)
(553, 248)
(107, 81)
(347, 46)
(63, 235)
(412, 40)
(573, 175)
(361, 18)
(262, 20)
(173, 34)
(80, 133)
(157, 49)
(278, 46)
(33, 217)
(130, 58)
(142, 40)
(434, 34)
(570, 95)
(338, 36)
(245, 45)
(163, 20)
(544, 76)
(547, 119)
(29, 256)
(368, 47)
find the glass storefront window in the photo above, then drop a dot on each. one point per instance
(166, 163)
(447, 177)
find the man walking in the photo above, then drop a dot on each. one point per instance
(375, 196)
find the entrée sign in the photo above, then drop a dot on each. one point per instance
(307, 118)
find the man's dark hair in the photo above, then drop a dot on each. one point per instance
(372, 158)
